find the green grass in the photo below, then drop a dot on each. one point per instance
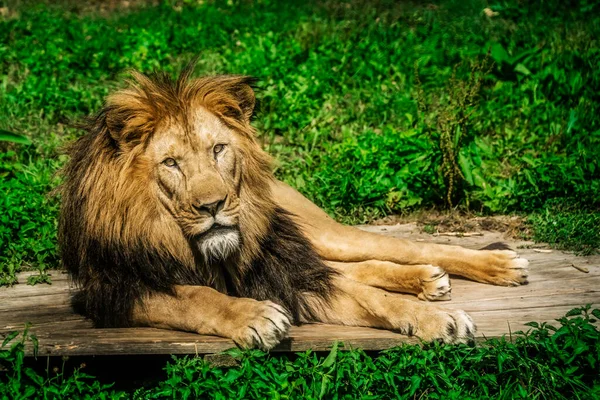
(550, 361)
(566, 226)
(338, 101)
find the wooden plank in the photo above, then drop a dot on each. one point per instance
(555, 288)
(43, 289)
(18, 303)
(156, 341)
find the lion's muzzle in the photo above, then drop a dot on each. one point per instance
(212, 207)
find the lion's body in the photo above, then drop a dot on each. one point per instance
(171, 218)
(119, 245)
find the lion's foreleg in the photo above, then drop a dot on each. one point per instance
(249, 323)
(426, 281)
(357, 304)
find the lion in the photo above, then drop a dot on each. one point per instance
(171, 218)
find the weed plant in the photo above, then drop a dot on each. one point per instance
(337, 96)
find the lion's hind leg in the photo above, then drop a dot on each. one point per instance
(428, 282)
(356, 304)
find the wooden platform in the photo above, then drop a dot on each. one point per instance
(556, 286)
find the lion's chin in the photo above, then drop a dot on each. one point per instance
(219, 243)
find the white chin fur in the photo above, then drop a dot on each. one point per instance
(219, 246)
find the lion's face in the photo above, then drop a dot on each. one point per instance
(172, 171)
(197, 180)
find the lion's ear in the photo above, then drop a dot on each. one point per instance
(246, 97)
(231, 96)
(129, 117)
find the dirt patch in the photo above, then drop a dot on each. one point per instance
(433, 221)
(103, 8)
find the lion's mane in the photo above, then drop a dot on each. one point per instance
(119, 248)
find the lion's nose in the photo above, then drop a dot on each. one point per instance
(211, 208)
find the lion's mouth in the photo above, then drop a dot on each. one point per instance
(219, 242)
(216, 230)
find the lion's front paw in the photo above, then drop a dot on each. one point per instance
(448, 326)
(505, 268)
(436, 285)
(263, 326)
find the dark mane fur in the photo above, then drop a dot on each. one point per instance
(287, 269)
(285, 272)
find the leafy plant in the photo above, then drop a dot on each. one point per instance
(337, 107)
(6, 136)
(28, 218)
(23, 382)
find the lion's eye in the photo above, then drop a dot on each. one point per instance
(218, 148)
(170, 162)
